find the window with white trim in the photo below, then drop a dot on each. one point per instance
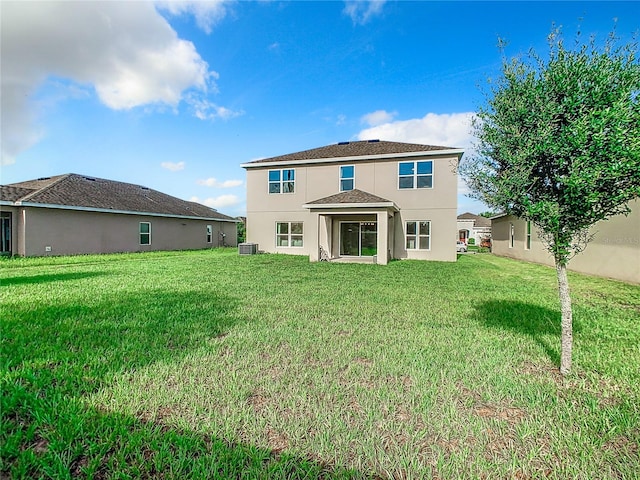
(282, 181)
(209, 234)
(417, 174)
(418, 235)
(289, 234)
(347, 177)
(145, 233)
(527, 243)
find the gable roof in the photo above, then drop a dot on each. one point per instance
(479, 220)
(366, 149)
(350, 198)
(79, 192)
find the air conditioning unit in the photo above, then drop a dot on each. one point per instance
(247, 248)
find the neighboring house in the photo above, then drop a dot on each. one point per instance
(77, 214)
(366, 200)
(473, 226)
(614, 251)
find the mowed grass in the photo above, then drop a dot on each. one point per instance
(211, 365)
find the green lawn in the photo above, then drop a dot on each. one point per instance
(211, 365)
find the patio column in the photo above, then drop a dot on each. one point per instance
(383, 237)
(314, 248)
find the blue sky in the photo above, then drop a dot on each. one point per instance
(175, 95)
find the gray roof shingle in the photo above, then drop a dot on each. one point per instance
(349, 197)
(73, 190)
(480, 221)
(10, 193)
(364, 148)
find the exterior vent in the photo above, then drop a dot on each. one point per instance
(373, 141)
(90, 179)
(343, 143)
(247, 248)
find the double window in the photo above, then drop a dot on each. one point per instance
(418, 235)
(282, 181)
(415, 174)
(145, 233)
(289, 234)
(347, 177)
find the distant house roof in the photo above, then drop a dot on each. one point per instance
(350, 198)
(479, 220)
(352, 150)
(79, 192)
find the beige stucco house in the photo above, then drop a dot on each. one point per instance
(365, 200)
(473, 226)
(614, 251)
(77, 214)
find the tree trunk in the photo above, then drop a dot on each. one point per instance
(567, 318)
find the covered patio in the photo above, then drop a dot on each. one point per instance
(353, 226)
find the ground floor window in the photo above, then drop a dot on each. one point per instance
(358, 239)
(418, 235)
(512, 235)
(145, 233)
(209, 234)
(289, 234)
(5, 233)
(528, 237)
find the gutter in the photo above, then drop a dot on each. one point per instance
(121, 212)
(316, 206)
(382, 156)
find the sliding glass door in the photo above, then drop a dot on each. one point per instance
(358, 239)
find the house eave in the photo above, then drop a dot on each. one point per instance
(343, 206)
(120, 212)
(383, 156)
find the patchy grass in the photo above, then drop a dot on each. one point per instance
(211, 365)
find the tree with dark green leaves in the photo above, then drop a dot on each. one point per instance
(558, 144)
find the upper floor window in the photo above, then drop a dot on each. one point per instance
(282, 181)
(415, 174)
(145, 233)
(347, 177)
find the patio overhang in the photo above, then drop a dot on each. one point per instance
(351, 200)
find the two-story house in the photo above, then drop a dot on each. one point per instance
(365, 200)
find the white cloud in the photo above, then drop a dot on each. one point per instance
(174, 167)
(207, 13)
(212, 182)
(448, 129)
(218, 202)
(361, 11)
(378, 117)
(125, 51)
(206, 110)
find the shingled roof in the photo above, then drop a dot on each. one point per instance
(97, 194)
(479, 220)
(364, 148)
(350, 198)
